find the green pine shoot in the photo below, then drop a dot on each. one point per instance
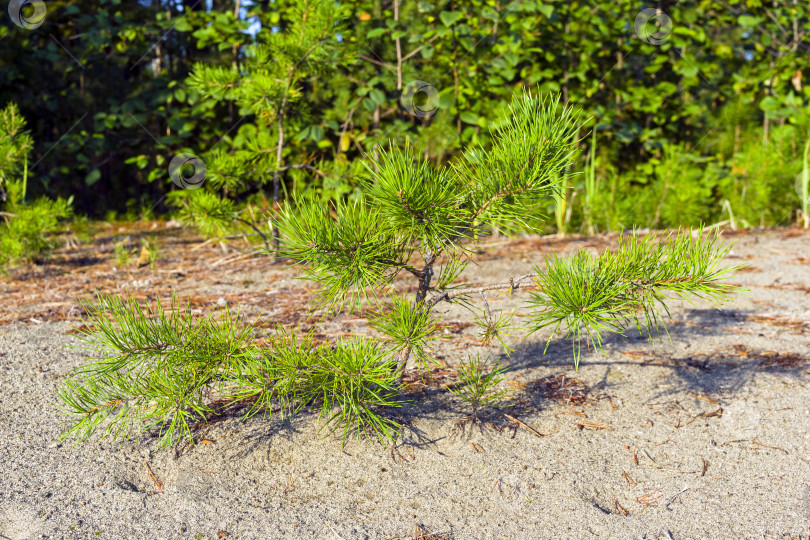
(588, 296)
(477, 386)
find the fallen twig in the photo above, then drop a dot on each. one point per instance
(153, 477)
(594, 425)
(574, 413)
(672, 499)
(400, 455)
(769, 446)
(289, 480)
(649, 499)
(718, 412)
(524, 426)
(629, 480)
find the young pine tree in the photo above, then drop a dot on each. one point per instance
(425, 221)
(267, 85)
(163, 369)
(26, 226)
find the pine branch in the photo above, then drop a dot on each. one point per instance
(255, 228)
(153, 368)
(589, 296)
(159, 368)
(349, 253)
(629, 285)
(512, 285)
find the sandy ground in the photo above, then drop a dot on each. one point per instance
(705, 436)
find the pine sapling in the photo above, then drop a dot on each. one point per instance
(477, 387)
(26, 227)
(269, 84)
(164, 370)
(425, 221)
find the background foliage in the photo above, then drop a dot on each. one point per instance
(704, 121)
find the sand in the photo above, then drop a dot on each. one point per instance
(705, 436)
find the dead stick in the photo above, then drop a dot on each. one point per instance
(153, 477)
(524, 426)
(769, 446)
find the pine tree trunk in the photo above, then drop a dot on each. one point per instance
(277, 172)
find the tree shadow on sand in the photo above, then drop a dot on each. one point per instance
(725, 369)
(722, 370)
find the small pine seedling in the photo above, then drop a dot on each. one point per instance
(123, 255)
(477, 386)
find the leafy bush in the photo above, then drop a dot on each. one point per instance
(26, 232)
(760, 181)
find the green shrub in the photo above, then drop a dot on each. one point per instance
(760, 185)
(26, 228)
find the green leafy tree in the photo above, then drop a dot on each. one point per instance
(104, 86)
